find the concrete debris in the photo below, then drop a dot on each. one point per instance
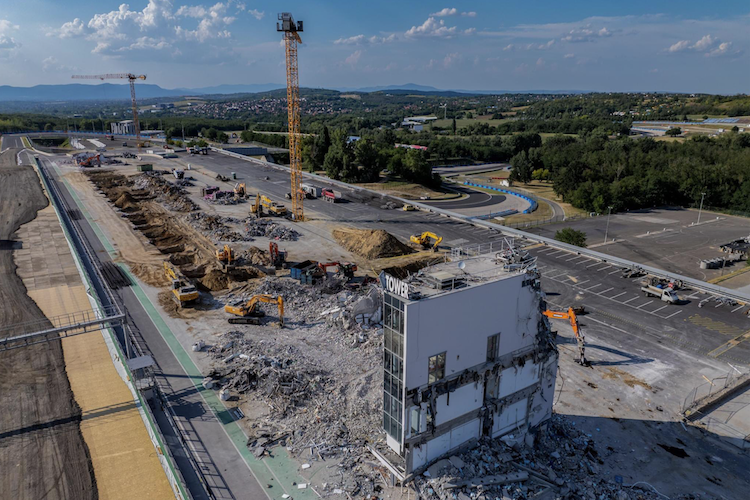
(270, 229)
(171, 196)
(215, 227)
(563, 464)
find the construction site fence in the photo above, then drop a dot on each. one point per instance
(696, 284)
(710, 387)
(726, 432)
(166, 459)
(544, 221)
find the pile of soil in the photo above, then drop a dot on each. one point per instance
(371, 243)
(402, 267)
(127, 203)
(256, 257)
(216, 279)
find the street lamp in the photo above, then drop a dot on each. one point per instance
(606, 233)
(703, 195)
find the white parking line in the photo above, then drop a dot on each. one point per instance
(555, 253)
(580, 282)
(591, 288)
(662, 307)
(647, 303)
(737, 309)
(594, 264)
(605, 291)
(618, 295)
(555, 277)
(602, 268)
(694, 296)
(631, 300)
(572, 258)
(673, 314)
(615, 271)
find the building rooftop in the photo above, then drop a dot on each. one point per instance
(447, 277)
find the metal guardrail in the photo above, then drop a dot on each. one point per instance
(709, 387)
(694, 283)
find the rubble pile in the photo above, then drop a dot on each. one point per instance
(214, 227)
(270, 229)
(371, 243)
(564, 464)
(171, 196)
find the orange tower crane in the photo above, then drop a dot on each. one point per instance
(121, 76)
(291, 32)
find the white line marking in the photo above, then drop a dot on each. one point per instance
(673, 314)
(647, 303)
(594, 264)
(615, 271)
(605, 291)
(694, 296)
(580, 282)
(591, 288)
(573, 258)
(602, 268)
(662, 307)
(631, 300)
(618, 295)
(554, 277)
(737, 309)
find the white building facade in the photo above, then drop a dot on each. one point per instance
(125, 127)
(467, 354)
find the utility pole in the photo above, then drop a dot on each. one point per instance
(703, 195)
(606, 233)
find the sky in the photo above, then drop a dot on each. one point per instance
(687, 46)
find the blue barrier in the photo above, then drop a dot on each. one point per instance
(533, 204)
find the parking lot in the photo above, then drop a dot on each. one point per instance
(665, 238)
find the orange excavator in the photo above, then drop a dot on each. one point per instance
(247, 312)
(571, 315)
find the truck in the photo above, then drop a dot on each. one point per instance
(330, 195)
(667, 295)
(311, 192)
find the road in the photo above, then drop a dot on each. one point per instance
(472, 199)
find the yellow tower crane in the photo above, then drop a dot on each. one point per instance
(291, 32)
(121, 76)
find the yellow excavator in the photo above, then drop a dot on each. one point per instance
(251, 310)
(263, 202)
(226, 257)
(424, 240)
(240, 189)
(184, 292)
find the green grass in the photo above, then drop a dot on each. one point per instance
(463, 122)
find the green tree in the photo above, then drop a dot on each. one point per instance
(571, 236)
(453, 125)
(673, 132)
(49, 127)
(339, 161)
(368, 157)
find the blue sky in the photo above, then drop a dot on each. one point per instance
(688, 46)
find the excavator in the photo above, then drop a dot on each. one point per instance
(184, 292)
(264, 202)
(424, 240)
(240, 189)
(226, 257)
(251, 310)
(278, 257)
(256, 208)
(346, 269)
(571, 315)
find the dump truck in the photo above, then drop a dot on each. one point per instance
(251, 309)
(184, 292)
(330, 195)
(667, 295)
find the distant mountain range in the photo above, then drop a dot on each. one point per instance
(110, 91)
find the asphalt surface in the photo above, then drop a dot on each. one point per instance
(223, 468)
(472, 199)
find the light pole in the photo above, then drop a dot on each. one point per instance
(703, 195)
(606, 232)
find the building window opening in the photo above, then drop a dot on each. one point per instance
(493, 347)
(436, 370)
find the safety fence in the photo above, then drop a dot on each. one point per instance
(532, 202)
(710, 387)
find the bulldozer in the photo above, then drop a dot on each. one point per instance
(184, 292)
(226, 257)
(425, 238)
(250, 311)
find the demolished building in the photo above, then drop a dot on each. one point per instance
(467, 354)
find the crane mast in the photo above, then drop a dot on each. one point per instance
(131, 78)
(291, 39)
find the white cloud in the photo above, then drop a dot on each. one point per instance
(256, 14)
(353, 59)
(540, 62)
(363, 40)
(508, 47)
(51, 63)
(469, 14)
(6, 25)
(569, 56)
(470, 31)
(451, 59)
(679, 46)
(586, 34)
(8, 43)
(432, 27)
(445, 12)
(196, 11)
(704, 43)
(722, 49)
(70, 29)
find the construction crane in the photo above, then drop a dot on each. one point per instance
(122, 76)
(251, 309)
(571, 315)
(291, 32)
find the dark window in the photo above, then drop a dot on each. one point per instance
(436, 368)
(393, 376)
(493, 347)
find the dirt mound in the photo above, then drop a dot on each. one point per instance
(150, 274)
(216, 279)
(256, 257)
(127, 203)
(402, 267)
(371, 243)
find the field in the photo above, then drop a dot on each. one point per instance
(463, 122)
(409, 190)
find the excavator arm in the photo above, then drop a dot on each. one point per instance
(424, 239)
(251, 307)
(580, 341)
